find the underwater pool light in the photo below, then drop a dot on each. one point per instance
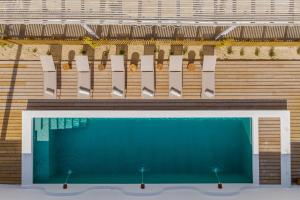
(65, 185)
(216, 171)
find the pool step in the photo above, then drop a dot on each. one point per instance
(53, 124)
(69, 123)
(37, 124)
(76, 123)
(61, 123)
(44, 125)
(83, 122)
(42, 128)
(65, 123)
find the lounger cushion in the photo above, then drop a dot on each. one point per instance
(147, 63)
(47, 63)
(175, 64)
(82, 63)
(209, 63)
(117, 63)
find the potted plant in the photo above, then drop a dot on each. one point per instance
(201, 53)
(184, 50)
(257, 51)
(156, 49)
(82, 51)
(298, 50)
(48, 52)
(242, 52)
(171, 52)
(229, 50)
(107, 49)
(122, 52)
(272, 52)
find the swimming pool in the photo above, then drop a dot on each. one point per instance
(118, 150)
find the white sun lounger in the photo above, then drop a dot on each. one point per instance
(209, 63)
(118, 76)
(175, 76)
(208, 76)
(50, 77)
(84, 77)
(147, 75)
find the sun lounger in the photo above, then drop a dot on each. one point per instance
(208, 85)
(50, 77)
(208, 76)
(175, 76)
(118, 76)
(147, 74)
(84, 77)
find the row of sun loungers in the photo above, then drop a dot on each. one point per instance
(119, 76)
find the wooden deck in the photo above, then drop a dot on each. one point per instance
(22, 80)
(269, 151)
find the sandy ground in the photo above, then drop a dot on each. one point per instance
(32, 52)
(274, 193)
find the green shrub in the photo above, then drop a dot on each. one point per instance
(3, 45)
(82, 51)
(171, 52)
(242, 52)
(122, 52)
(298, 50)
(229, 50)
(49, 52)
(257, 51)
(184, 50)
(201, 53)
(272, 52)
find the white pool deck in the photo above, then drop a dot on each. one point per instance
(132, 192)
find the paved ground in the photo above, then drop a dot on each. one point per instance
(15, 192)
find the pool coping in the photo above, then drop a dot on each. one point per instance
(284, 115)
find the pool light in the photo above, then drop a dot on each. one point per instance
(65, 185)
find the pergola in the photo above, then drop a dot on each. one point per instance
(150, 12)
(226, 13)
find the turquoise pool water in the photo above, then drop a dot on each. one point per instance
(170, 150)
